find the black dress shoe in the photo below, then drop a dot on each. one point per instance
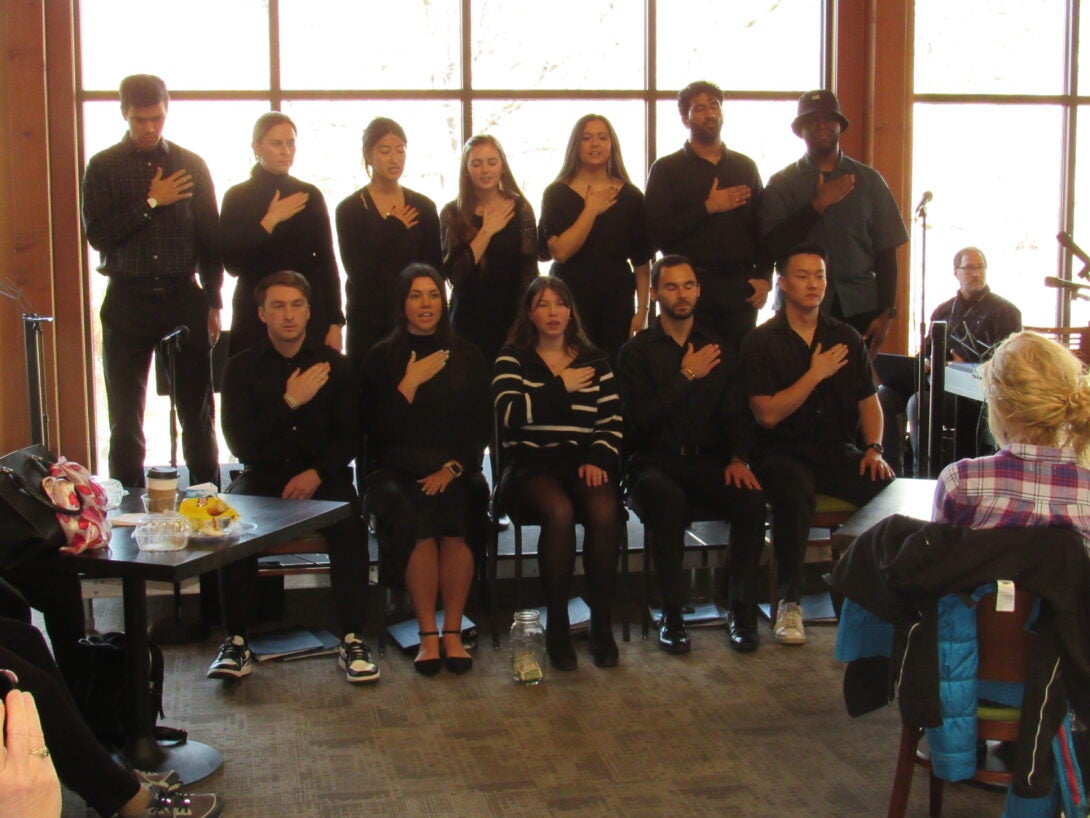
(673, 635)
(742, 629)
(603, 648)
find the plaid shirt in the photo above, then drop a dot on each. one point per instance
(1021, 486)
(172, 241)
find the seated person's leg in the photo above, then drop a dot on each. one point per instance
(838, 476)
(601, 546)
(56, 592)
(238, 588)
(455, 579)
(661, 504)
(82, 764)
(547, 499)
(348, 577)
(789, 487)
(744, 509)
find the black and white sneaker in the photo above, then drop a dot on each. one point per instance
(183, 805)
(233, 661)
(354, 658)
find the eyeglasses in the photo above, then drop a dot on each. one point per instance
(974, 268)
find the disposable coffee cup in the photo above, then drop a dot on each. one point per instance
(162, 489)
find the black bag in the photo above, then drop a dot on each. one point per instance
(28, 518)
(98, 687)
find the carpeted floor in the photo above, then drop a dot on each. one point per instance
(708, 734)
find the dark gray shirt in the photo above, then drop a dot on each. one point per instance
(853, 231)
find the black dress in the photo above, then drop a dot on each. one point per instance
(374, 250)
(303, 243)
(600, 274)
(447, 420)
(486, 293)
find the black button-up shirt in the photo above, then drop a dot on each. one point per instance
(678, 222)
(665, 411)
(264, 432)
(136, 241)
(774, 356)
(976, 325)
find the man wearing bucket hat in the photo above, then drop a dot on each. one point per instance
(845, 206)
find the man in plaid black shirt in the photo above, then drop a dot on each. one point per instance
(149, 208)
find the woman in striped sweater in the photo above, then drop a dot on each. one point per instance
(560, 420)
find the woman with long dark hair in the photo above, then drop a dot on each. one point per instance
(560, 415)
(488, 237)
(426, 420)
(382, 228)
(593, 227)
(274, 222)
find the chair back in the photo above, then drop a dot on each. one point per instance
(1004, 644)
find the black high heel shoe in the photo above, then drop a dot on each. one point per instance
(427, 667)
(457, 664)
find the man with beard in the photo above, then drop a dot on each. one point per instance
(844, 206)
(701, 203)
(688, 436)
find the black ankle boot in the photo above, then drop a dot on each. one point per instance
(603, 647)
(558, 645)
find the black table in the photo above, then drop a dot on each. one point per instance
(277, 521)
(905, 495)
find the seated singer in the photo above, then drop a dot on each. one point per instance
(977, 320)
(688, 437)
(560, 420)
(809, 384)
(426, 420)
(291, 416)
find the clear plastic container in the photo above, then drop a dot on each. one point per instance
(527, 648)
(162, 532)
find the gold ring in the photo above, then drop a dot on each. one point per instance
(41, 752)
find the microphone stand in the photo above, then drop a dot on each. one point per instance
(175, 631)
(923, 468)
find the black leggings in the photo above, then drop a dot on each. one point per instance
(558, 503)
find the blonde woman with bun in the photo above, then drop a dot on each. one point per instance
(1038, 398)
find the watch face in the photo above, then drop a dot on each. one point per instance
(877, 447)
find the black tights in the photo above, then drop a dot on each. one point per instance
(558, 504)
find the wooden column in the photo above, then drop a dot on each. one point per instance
(875, 88)
(40, 246)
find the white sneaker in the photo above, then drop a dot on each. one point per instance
(789, 629)
(233, 661)
(354, 658)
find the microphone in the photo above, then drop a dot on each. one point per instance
(927, 197)
(177, 335)
(1063, 284)
(1065, 240)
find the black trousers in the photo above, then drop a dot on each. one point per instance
(55, 591)
(134, 317)
(82, 763)
(664, 487)
(348, 557)
(791, 483)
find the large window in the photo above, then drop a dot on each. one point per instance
(521, 71)
(996, 117)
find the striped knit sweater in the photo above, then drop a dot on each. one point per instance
(536, 412)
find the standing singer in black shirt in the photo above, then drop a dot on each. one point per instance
(150, 210)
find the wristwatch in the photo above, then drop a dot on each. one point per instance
(454, 467)
(876, 446)
(152, 203)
